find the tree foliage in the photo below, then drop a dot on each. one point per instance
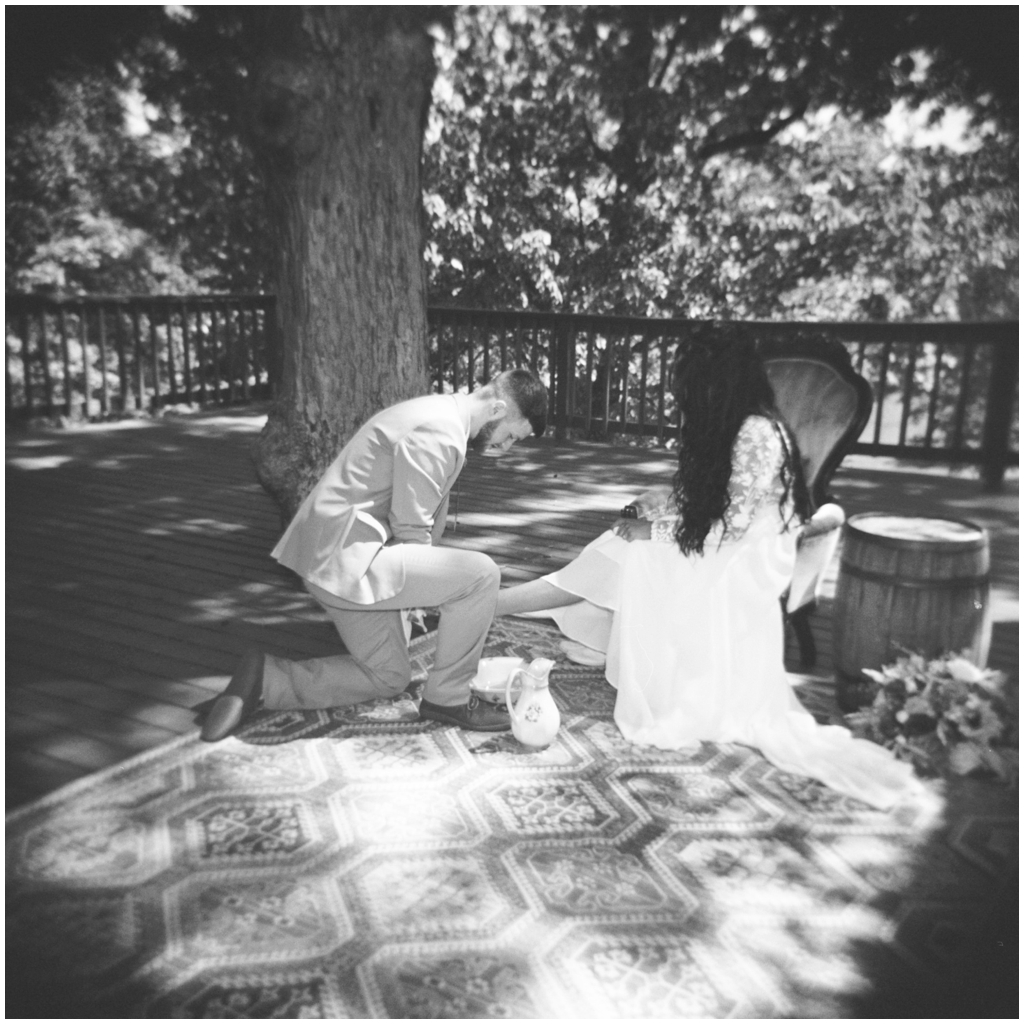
(647, 160)
(705, 161)
(96, 205)
(114, 182)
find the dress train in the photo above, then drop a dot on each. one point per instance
(695, 649)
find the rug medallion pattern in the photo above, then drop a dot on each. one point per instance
(361, 863)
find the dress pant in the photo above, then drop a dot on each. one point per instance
(463, 585)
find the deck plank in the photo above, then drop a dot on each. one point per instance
(138, 568)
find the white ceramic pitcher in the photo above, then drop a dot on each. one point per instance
(535, 717)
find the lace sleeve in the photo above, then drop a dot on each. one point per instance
(755, 483)
(654, 502)
(663, 528)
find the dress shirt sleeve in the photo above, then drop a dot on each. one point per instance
(423, 462)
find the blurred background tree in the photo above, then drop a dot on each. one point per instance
(111, 190)
(727, 162)
(693, 161)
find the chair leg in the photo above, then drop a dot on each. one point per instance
(801, 622)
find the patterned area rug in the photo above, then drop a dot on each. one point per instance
(360, 863)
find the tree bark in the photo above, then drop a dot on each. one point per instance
(338, 107)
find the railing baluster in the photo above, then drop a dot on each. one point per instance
(122, 366)
(555, 397)
(258, 348)
(662, 356)
(609, 359)
(154, 357)
(104, 385)
(439, 334)
(66, 356)
(862, 348)
(243, 347)
(456, 345)
(186, 362)
(933, 398)
(215, 353)
(908, 389)
(569, 360)
(627, 358)
(201, 365)
(26, 361)
(230, 350)
(235, 314)
(590, 381)
(961, 401)
(9, 383)
(642, 421)
(83, 342)
(138, 362)
(44, 355)
(172, 372)
(883, 381)
(486, 374)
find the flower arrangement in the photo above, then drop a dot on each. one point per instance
(943, 715)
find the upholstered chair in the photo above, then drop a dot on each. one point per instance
(825, 403)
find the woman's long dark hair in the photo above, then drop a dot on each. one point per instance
(718, 382)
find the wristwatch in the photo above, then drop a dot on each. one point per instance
(630, 512)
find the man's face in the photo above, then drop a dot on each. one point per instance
(495, 438)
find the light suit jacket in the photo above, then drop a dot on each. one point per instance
(389, 484)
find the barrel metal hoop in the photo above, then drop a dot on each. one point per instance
(946, 547)
(949, 583)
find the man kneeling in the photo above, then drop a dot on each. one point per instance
(364, 543)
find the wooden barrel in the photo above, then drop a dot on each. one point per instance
(906, 582)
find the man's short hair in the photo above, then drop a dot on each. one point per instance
(527, 393)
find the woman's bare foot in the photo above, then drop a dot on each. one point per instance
(535, 596)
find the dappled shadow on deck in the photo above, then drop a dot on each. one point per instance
(138, 568)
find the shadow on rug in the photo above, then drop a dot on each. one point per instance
(360, 863)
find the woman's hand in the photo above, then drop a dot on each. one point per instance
(632, 529)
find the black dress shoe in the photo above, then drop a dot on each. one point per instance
(238, 701)
(476, 715)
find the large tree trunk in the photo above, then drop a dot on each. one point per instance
(339, 103)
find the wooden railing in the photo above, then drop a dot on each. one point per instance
(101, 355)
(943, 391)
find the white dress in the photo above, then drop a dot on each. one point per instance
(695, 643)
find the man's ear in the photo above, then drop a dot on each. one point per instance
(499, 409)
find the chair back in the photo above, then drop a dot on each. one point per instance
(823, 401)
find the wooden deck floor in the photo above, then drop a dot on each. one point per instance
(138, 568)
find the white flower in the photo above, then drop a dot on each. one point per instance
(964, 671)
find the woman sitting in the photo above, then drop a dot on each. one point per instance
(684, 599)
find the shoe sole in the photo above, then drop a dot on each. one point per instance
(462, 725)
(224, 717)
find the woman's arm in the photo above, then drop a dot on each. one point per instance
(633, 529)
(754, 484)
(655, 517)
(653, 501)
